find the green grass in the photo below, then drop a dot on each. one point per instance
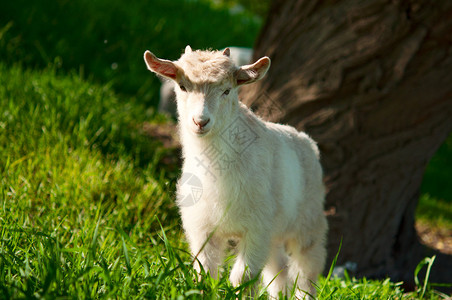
(435, 203)
(435, 212)
(73, 193)
(86, 211)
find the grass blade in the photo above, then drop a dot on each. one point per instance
(126, 256)
(330, 272)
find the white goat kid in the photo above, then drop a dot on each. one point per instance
(262, 182)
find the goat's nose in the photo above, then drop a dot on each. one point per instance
(200, 122)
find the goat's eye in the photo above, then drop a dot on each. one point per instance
(182, 87)
(226, 92)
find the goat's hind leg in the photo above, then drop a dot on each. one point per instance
(306, 262)
(275, 272)
(252, 255)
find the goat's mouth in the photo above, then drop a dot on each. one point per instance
(200, 132)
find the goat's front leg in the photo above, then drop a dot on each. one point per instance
(253, 250)
(207, 250)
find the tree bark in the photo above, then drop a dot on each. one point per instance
(371, 82)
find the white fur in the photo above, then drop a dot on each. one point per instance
(167, 103)
(269, 195)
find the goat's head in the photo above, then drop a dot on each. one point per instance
(206, 84)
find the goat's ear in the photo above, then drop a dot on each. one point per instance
(227, 52)
(251, 73)
(162, 67)
(188, 49)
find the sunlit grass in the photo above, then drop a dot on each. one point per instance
(434, 212)
(435, 203)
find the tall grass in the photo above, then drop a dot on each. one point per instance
(74, 198)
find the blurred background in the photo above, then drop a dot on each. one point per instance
(103, 41)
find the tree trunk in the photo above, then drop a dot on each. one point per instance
(371, 82)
